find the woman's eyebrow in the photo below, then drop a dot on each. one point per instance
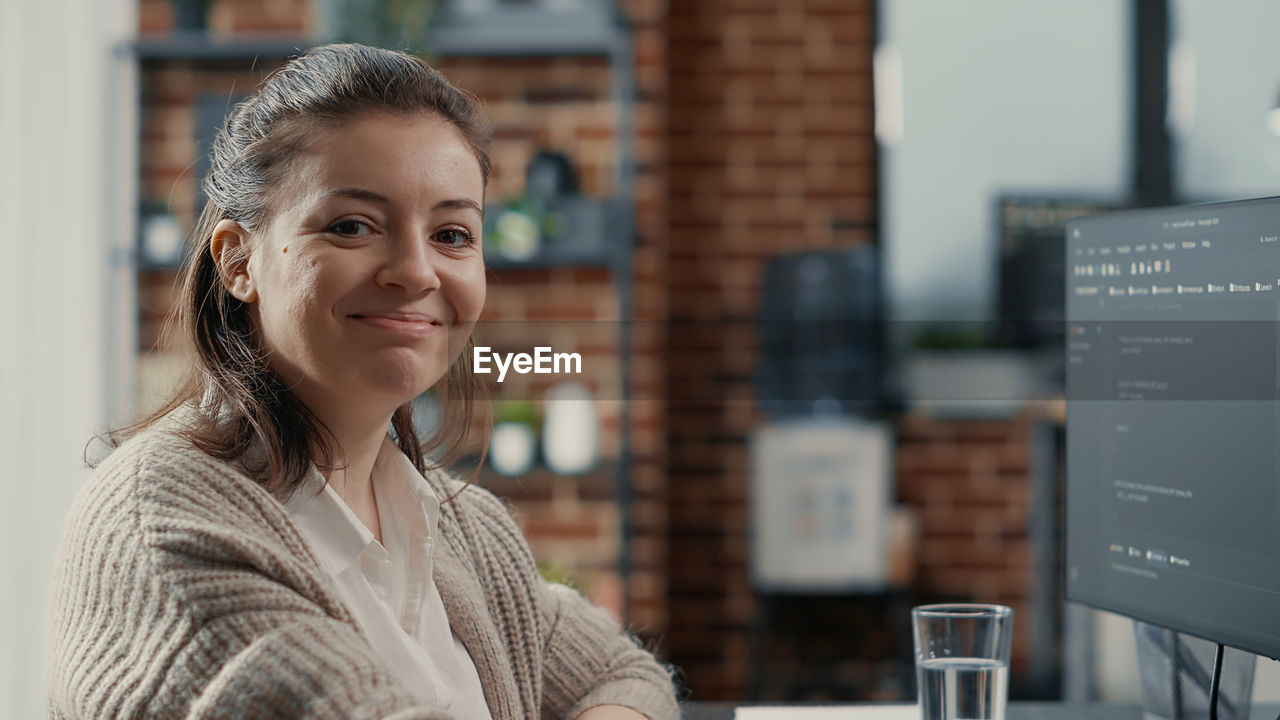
(458, 204)
(363, 194)
(358, 194)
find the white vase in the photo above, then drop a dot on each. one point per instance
(570, 429)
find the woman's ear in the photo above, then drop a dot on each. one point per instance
(230, 248)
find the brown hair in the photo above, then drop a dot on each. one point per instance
(241, 402)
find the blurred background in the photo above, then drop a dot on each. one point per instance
(809, 251)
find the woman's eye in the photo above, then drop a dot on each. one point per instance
(349, 227)
(454, 237)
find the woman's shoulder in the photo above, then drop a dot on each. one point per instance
(473, 514)
(159, 476)
(159, 444)
(186, 517)
(465, 495)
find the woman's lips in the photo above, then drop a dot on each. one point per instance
(398, 322)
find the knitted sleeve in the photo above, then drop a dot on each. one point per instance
(588, 660)
(180, 592)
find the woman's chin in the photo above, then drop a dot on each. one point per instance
(399, 386)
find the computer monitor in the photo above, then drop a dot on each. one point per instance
(1030, 264)
(1173, 424)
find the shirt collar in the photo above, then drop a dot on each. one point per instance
(396, 478)
(334, 531)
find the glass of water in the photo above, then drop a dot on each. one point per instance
(962, 660)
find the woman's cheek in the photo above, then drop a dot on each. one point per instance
(478, 289)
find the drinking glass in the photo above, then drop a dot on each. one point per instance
(962, 660)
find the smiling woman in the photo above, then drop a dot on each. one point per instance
(273, 542)
(386, 278)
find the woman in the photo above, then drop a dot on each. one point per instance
(264, 546)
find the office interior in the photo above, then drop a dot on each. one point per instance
(810, 253)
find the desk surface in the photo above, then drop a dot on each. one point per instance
(1017, 711)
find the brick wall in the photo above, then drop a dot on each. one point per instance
(233, 17)
(559, 103)
(969, 483)
(770, 148)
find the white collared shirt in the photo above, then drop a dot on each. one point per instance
(390, 588)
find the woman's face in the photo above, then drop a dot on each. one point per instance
(368, 278)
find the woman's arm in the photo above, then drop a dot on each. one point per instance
(582, 658)
(313, 667)
(611, 712)
(181, 591)
(590, 664)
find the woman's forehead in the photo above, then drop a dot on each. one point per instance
(389, 155)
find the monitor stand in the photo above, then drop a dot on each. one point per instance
(1176, 673)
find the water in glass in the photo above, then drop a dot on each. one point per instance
(963, 689)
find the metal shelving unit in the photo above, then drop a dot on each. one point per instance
(198, 45)
(597, 28)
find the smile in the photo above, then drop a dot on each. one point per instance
(399, 323)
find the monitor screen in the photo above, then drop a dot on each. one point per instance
(1173, 505)
(1031, 257)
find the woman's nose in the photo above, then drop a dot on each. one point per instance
(410, 264)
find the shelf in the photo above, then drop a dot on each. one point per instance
(593, 29)
(584, 229)
(510, 33)
(599, 483)
(552, 257)
(200, 45)
(514, 42)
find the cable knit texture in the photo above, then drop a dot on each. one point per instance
(183, 590)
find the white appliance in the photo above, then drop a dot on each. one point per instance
(820, 505)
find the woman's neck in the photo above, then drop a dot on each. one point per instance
(355, 451)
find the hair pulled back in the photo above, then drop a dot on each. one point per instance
(241, 404)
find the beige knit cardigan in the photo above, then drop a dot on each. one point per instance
(183, 590)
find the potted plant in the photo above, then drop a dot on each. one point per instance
(396, 24)
(957, 372)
